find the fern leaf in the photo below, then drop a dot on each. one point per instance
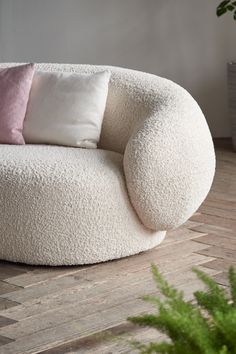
(167, 290)
(152, 299)
(162, 348)
(146, 320)
(153, 348)
(226, 326)
(216, 298)
(224, 350)
(189, 329)
(232, 282)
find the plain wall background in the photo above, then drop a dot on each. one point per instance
(181, 40)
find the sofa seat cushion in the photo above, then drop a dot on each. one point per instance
(62, 205)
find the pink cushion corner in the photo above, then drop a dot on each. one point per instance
(15, 85)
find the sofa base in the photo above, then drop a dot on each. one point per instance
(67, 206)
(61, 257)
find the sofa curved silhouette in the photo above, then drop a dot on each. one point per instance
(153, 168)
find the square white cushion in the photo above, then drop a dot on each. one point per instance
(66, 108)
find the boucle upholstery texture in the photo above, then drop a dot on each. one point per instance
(67, 205)
(155, 167)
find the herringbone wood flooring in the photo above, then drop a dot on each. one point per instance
(72, 309)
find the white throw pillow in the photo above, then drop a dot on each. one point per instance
(66, 108)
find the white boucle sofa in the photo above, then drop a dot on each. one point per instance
(154, 167)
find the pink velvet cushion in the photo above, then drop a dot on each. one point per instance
(15, 84)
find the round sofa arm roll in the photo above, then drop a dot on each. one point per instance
(169, 161)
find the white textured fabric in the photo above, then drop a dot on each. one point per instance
(66, 206)
(66, 108)
(168, 159)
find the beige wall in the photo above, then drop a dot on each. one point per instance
(181, 40)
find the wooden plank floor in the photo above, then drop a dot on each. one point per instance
(79, 309)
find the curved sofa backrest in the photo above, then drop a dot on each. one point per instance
(130, 99)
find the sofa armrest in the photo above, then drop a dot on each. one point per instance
(169, 161)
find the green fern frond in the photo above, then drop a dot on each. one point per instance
(146, 320)
(224, 350)
(166, 289)
(152, 348)
(225, 324)
(216, 298)
(152, 299)
(232, 282)
(190, 329)
(162, 348)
